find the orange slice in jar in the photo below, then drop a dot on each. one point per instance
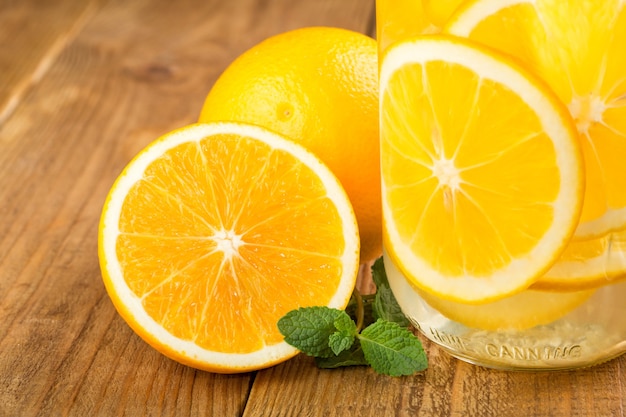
(482, 173)
(577, 48)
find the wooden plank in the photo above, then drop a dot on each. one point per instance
(33, 33)
(134, 71)
(448, 388)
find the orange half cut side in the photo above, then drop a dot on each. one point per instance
(214, 232)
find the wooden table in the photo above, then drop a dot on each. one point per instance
(84, 85)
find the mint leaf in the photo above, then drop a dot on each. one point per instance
(392, 350)
(379, 276)
(310, 328)
(385, 305)
(332, 336)
(338, 342)
(344, 324)
(367, 314)
(343, 338)
(387, 308)
(351, 357)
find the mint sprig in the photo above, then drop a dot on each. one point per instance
(392, 350)
(385, 305)
(310, 329)
(372, 331)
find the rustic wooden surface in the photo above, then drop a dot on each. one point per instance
(84, 85)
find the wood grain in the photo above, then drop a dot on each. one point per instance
(447, 388)
(33, 34)
(84, 85)
(101, 80)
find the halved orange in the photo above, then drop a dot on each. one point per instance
(482, 173)
(214, 232)
(577, 47)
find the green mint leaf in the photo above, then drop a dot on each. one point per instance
(392, 350)
(387, 308)
(385, 305)
(379, 276)
(339, 342)
(368, 313)
(343, 338)
(309, 329)
(332, 336)
(344, 324)
(351, 357)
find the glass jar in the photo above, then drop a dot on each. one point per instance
(591, 332)
(546, 328)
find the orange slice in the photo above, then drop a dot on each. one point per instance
(578, 49)
(214, 232)
(524, 310)
(482, 174)
(401, 19)
(588, 263)
(439, 11)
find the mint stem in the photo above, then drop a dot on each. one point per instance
(360, 310)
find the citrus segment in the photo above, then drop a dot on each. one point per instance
(213, 232)
(578, 49)
(481, 170)
(318, 86)
(588, 264)
(520, 311)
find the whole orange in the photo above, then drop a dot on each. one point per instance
(317, 86)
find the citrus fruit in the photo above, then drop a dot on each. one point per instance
(319, 87)
(439, 11)
(482, 175)
(520, 311)
(402, 19)
(588, 263)
(577, 47)
(215, 231)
